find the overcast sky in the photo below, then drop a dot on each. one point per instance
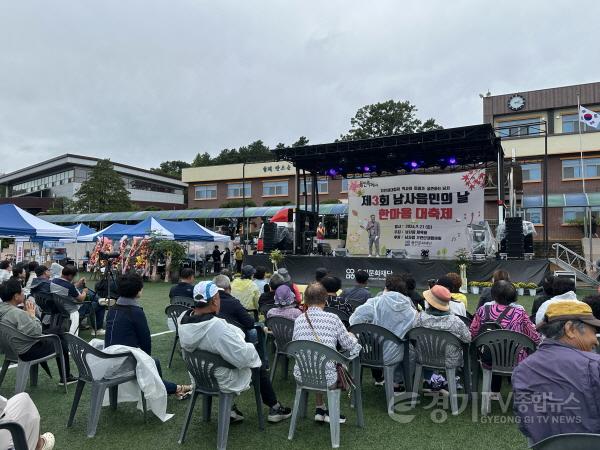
(142, 81)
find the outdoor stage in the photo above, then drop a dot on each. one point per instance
(302, 268)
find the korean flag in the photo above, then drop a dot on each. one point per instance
(588, 117)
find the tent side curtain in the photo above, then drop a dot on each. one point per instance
(187, 214)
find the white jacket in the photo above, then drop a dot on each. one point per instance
(218, 336)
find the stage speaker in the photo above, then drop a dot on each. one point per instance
(340, 252)
(269, 236)
(515, 245)
(401, 253)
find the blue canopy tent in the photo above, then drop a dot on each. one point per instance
(186, 230)
(15, 222)
(114, 231)
(82, 229)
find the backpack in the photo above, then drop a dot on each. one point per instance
(489, 325)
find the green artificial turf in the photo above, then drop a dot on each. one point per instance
(125, 428)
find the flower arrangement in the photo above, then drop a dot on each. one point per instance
(276, 258)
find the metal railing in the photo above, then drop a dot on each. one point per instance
(574, 260)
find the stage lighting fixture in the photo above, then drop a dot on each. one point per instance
(452, 160)
(332, 172)
(366, 169)
(414, 164)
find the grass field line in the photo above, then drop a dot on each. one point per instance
(12, 366)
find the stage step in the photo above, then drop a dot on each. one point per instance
(572, 244)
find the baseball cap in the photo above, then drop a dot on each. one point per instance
(248, 271)
(570, 310)
(204, 291)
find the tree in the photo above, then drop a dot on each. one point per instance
(277, 202)
(171, 168)
(238, 204)
(301, 142)
(201, 160)
(387, 119)
(61, 205)
(103, 191)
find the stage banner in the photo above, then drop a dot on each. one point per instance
(414, 212)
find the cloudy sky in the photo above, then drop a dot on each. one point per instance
(142, 81)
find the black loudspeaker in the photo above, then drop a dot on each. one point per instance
(269, 236)
(515, 244)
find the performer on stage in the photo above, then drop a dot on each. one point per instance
(374, 232)
(320, 237)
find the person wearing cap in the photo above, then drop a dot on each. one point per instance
(285, 304)
(126, 324)
(201, 329)
(245, 290)
(437, 316)
(288, 280)
(556, 388)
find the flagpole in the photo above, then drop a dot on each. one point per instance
(580, 148)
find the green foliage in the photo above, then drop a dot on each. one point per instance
(387, 119)
(238, 204)
(61, 205)
(257, 151)
(277, 203)
(152, 208)
(171, 168)
(301, 142)
(330, 201)
(103, 191)
(201, 160)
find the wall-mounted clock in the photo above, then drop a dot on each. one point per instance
(516, 102)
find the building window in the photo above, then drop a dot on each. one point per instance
(532, 171)
(527, 127)
(275, 188)
(571, 168)
(534, 215)
(322, 186)
(570, 124)
(206, 192)
(573, 215)
(235, 190)
(344, 184)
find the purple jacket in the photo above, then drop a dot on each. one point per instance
(556, 391)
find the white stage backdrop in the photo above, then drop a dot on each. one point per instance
(416, 212)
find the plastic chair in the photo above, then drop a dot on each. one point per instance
(185, 301)
(45, 302)
(173, 312)
(17, 434)
(580, 441)
(374, 341)
(282, 330)
(504, 347)
(430, 351)
(26, 369)
(202, 366)
(344, 317)
(80, 350)
(311, 358)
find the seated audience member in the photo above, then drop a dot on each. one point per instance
(245, 290)
(563, 289)
(555, 388)
(321, 273)
(259, 278)
(411, 291)
(486, 293)
(5, 270)
(287, 278)
(21, 409)
(285, 304)
(41, 283)
(231, 308)
(64, 287)
(227, 273)
(332, 285)
(360, 292)
(546, 294)
(456, 285)
(392, 310)
(185, 287)
(19, 273)
(267, 299)
(456, 306)
(594, 302)
(437, 316)
(56, 270)
(30, 269)
(201, 329)
(27, 323)
(508, 317)
(326, 328)
(126, 324)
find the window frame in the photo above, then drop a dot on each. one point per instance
(309, 187)
(527, 215)
(246, 187)
(204, 186)
(576, 165)
(539, 166)
(275, 182)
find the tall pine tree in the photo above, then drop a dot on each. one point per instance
(103, 191)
